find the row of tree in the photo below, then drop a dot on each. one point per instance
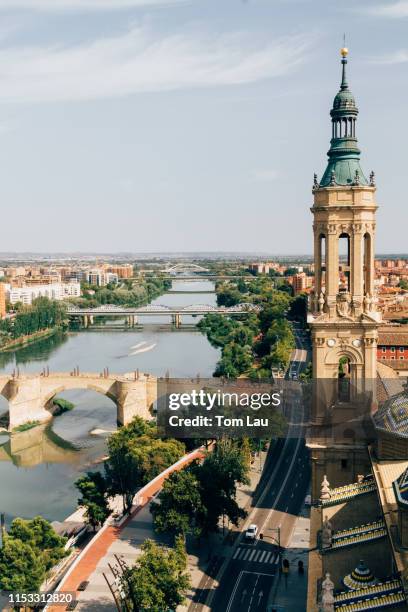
(257, 342)
(41, 315)
(132, 294)
(135, 456)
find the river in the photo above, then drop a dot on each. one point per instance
(38, 467)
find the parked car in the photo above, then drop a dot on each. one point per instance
(251, 532)
(308, 500)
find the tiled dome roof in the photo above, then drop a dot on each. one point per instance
(359, 578)
(392, 417)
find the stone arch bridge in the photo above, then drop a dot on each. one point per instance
(30, 396)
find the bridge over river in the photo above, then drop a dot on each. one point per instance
(30, 395)
(86, 315)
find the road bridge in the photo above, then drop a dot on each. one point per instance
(30, 396)
(86, 315)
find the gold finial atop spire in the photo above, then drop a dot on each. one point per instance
(344, 50)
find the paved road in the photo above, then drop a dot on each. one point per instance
(248, 576)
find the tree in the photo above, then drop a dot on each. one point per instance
(403, 284)
(158, 580)
(123, 469)
(20, 567)
(136, 455)
(221, 472)
(228, 296)
(179, 509)
(30, 549)
(93, 488)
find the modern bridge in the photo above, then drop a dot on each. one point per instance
(174, 312)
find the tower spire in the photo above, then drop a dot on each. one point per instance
(344, 53)
(343, 166)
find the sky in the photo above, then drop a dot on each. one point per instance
(191, 125)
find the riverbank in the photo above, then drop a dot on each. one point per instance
(29, 339)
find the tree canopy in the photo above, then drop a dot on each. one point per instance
(30, 549)
(158, 581)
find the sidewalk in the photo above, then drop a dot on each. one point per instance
(290, 590)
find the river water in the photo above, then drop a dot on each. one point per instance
(38, 467)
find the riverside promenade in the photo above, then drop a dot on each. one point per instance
(113, 539)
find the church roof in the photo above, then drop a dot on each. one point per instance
(392, 417)
(401, 488)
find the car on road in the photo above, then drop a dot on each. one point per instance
(251, 532)
(308, 500)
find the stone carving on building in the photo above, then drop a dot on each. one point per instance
(327, 532)
(327, 595)
(325, 490)
(343, 304)
(321, 302)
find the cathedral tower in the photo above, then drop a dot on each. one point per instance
(343, 313)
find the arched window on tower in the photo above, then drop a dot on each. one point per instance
(322, 259)
(367, 263)
(344, 376)
(344, 262)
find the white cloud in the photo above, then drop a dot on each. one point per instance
(393, 9)
(138, 61)
(83, 5)
(265, 175)
(399, 57)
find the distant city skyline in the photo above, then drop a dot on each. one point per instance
(149, 126)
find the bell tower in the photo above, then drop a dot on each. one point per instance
(343, 312)
(343, 315)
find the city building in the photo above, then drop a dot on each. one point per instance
(2, 301)
(301, 282)
(392, 343)
(96, 277)
(122, 271)
(261, 267)
(55, 291)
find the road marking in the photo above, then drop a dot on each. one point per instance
(237, 552)
(257, 573)
(267, 556)
(262, 556)
(233, 592)
(245, 557)
(252, 555)
(252, 596)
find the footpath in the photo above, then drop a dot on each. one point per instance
(289, 592)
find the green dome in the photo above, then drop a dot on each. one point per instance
(344, 100)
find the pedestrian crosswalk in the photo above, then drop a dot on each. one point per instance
(256, 555)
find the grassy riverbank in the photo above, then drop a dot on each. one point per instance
(29, 339)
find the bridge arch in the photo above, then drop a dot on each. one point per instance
(46, 399)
